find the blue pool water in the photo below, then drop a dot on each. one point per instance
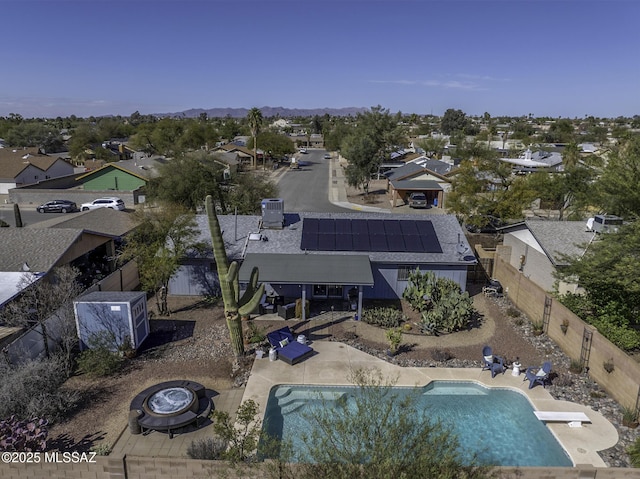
(496, 424)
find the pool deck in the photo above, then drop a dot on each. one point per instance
(333, 362)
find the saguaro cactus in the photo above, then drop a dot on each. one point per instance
(235, 306)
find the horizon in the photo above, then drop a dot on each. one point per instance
(566, 59)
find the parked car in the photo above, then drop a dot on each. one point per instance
(113, 203)
(327, 156)
(57, 206)
(417, 200)
(303, 151)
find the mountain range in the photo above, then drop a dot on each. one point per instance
(267, 112)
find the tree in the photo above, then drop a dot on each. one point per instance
(617, 187)
(276, 144)
(453, 121)
(377, 432)
(245, 193)
(32, 134)
(48, 304)
(187, 180)
(162, 239)
(375, 137)
(254, 118)
(236, 306)
(433, 147)
(483, 187)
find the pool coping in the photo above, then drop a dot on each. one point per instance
(333, 361)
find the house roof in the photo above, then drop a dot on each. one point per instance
(419, 167)
(555, 238)
(308, 269)
(40, 248)
(101, 221)
(236, 231)
(241, 150)
(416, 185)
(110, 166)
(13, 161)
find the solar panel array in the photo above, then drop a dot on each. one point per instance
(407, 236)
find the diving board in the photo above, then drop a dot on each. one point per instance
(575, 419)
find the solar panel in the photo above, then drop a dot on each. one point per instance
(425, 228)
(413, 244)
(343, 226)
(310, 225)
(360, 242)
(408, 227)
(430, 244)
(326, 225)
(378, 242)
(359, 227)
(344, 243)
(326, 242)
(395, 243)
(376, 227)
(392, 227)
(309, 241)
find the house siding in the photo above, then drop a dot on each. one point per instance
(537, 266)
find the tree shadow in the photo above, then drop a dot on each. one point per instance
(64, 442)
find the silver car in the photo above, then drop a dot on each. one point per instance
(417, 200)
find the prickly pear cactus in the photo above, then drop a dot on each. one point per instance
(235, 306)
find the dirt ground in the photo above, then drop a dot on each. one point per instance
(377, 195)
(193, 344)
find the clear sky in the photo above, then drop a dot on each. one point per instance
(513, 57)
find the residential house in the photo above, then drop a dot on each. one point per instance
(537, 249)
(27, 166)
(530, 161)
(339, 256)
(420, 175)
(243, 155)
(112, 177)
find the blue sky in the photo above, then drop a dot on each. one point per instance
(511, 57)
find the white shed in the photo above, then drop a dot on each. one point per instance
(118, 315)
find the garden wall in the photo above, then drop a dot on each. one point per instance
(581, 342)
(130, 467)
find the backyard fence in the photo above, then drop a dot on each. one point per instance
(609, 366)
(30, 345)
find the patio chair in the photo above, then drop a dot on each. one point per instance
(289, 350)
(491, 362)
(541, 376)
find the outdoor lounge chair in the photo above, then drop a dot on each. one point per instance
(541, 376)
(289, 350)
(492, 363)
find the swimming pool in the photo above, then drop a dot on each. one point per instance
(496, 424)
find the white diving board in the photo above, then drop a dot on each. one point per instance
(575, 419)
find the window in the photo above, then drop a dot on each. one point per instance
(404, 270)
(320, 290)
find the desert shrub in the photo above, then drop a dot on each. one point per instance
(384, 317)
(102, 449)
(621, 335)
(4, 224)
(255, 334)
(23, 436)
(441, 355)
(241, 434)
(563, 380)
(208, 448)
(33, 389)
(634, 453)
(575, 366)
(100, 360)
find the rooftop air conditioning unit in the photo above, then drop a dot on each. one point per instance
(273, 213)
(605, 223)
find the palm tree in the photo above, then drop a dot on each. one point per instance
(254, 117)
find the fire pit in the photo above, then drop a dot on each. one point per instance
(169, 406)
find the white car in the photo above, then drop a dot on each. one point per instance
(113, 203)
(303, 151)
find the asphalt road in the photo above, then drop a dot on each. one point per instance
(28, 213)
(307, 189)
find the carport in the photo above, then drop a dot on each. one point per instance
(310, 269)
(401, 189)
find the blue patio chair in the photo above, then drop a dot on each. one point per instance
(491, 362)
(541, 376)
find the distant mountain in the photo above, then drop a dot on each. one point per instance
(267, 111)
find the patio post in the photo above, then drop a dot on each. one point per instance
(304, 302)
(359, 301)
